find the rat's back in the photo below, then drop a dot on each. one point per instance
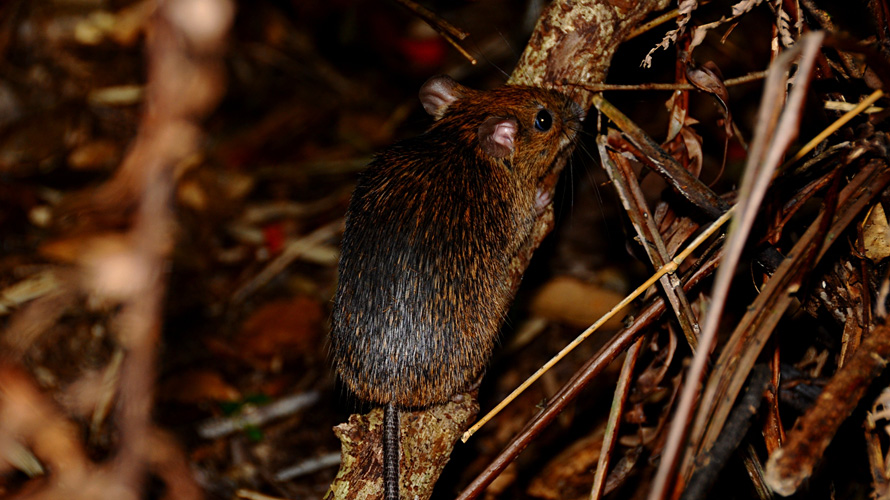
(423, 272)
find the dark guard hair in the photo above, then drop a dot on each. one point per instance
(431, 230)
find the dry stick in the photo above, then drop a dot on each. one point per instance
(33, 287)
(603, 87)
(876, 458)
(736, 428)
(106, 400)
(847, 106)
(755, 472)
(28, 324)
(308, 466)
(754, 186)
(447, 30)
(615, 413)
(797, 200)
(790, 465)
(433, 20)
(653, 23)
(667, 268)
(139, 325)
(252, 416)
(177, 50)
(427, 439)
(570, 45)
(773, 431)
(625, 182)
(620, 342)
(254, 495)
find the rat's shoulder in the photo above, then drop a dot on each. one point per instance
(422, 153)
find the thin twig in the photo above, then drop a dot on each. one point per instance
(603, 87)
(257, 415)
(433, 20)
(840, 122)
(308, 466)
(658, 21)
(447, 30)
(614, 422)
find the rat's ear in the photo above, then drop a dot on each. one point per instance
(496, 136)
(438, 93)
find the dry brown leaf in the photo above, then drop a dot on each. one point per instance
(196, 386)
(100, 154)
(281, 329)
(574, 302)
(876, 235)
(571, 471)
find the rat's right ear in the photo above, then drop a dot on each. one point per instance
(497, 136)
(438, 93)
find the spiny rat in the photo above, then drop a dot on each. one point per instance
(431, 229)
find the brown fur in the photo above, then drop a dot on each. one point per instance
(431, 229)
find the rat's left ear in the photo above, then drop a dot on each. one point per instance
(438, 93)
(497, 135)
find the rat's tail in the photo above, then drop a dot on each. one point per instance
(390, 452)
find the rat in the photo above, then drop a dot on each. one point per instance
(431, 230)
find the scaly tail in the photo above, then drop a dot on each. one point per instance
(390, 452)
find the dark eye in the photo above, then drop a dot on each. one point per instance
(543, 120)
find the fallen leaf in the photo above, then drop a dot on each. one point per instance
(570, 471)
(876, 235)
(281, 329)
(195, 386)
(574, 302)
